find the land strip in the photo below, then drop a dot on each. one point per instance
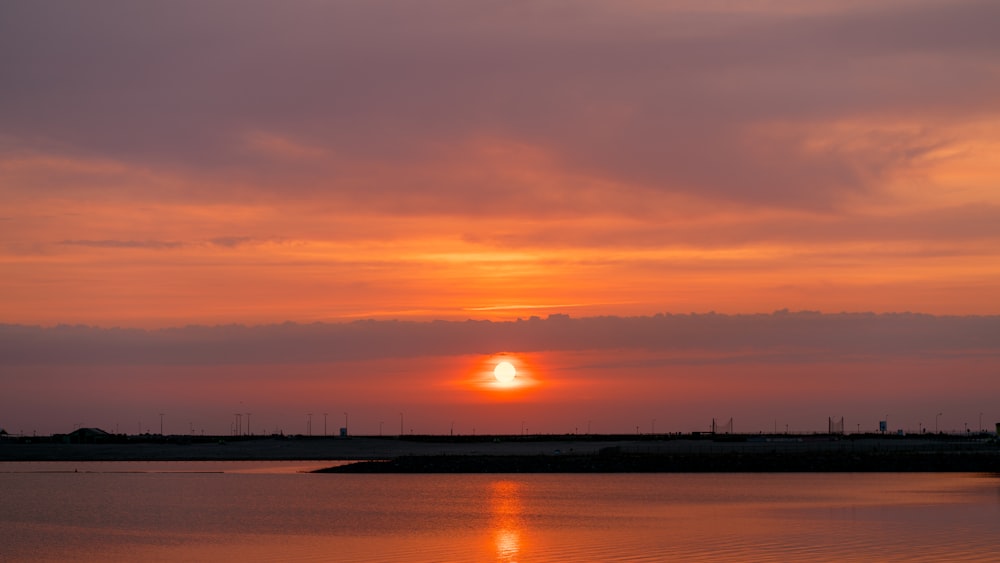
(571, 453)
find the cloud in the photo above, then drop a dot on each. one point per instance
(718, 104)
(976, 226)
(231, 242)
(223, 241)
(152, 244)
(327, 161)
(682, 370)
(803, 337)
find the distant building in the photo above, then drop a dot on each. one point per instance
(87, 436)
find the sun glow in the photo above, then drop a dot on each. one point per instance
(503, 376)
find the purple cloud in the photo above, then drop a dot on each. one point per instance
(717, 104)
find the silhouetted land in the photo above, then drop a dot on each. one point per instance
(545, 453)
(732, 462)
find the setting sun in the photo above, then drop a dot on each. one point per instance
(505, 372)
(502, 377)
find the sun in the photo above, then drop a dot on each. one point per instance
(504, 376)
(505, 373)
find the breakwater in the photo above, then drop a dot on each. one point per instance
(732, 462)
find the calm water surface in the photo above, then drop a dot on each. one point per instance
(268, 511)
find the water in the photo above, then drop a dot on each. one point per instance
(267, 511)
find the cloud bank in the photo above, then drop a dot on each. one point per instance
(805, 337)
(611, 373)
(756, 105)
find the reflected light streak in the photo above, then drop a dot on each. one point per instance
(505, 522)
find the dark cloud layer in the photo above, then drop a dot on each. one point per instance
(720, 104)
(802, 337)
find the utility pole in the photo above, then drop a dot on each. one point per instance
(161, 424)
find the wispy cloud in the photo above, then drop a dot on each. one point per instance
(152, 244)
(231, 242)
(225, 241)
(527, 307)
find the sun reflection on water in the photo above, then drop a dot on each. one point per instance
(506, 522)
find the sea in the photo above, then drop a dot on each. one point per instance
(278, 511)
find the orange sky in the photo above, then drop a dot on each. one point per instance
(180, 164)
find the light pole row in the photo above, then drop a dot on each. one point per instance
(238, 424)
